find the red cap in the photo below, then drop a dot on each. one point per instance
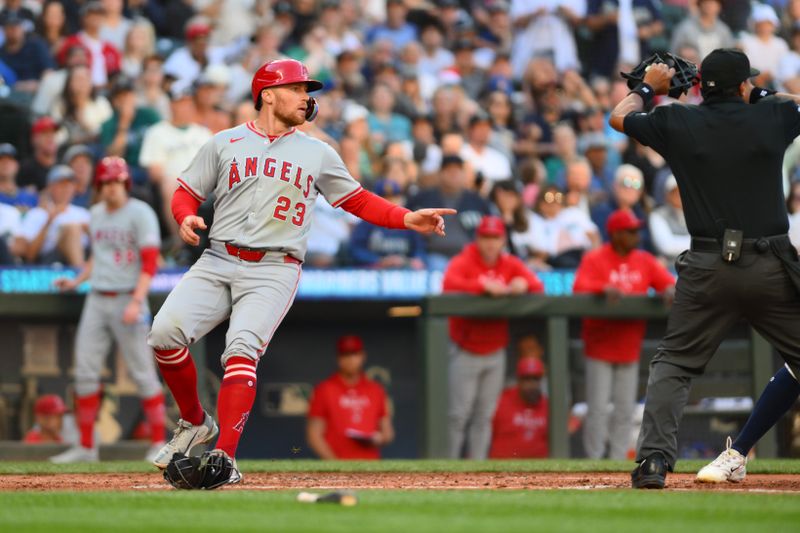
(348, 344)
(530, 367)
(491, 226)
(622, 219)
(197, 29)
(49, 404)
(44, 124)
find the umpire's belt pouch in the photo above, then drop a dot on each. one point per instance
(732, 245)
(783, 250)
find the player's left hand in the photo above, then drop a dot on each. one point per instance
(428, 220)
(131, 313)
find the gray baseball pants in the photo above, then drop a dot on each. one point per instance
(475, 384)
(614, 384)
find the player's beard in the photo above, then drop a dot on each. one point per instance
(290, 119)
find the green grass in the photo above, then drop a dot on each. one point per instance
(402, 511)
(759, 466)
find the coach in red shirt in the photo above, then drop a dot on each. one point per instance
(478, 350)
(519, 428)
(349, 417)
(612, 347)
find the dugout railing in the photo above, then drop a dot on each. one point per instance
(556, 312)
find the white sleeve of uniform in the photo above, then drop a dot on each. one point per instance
(200, 177)
(335, 182)
(146, 227)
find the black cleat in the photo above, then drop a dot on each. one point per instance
(651, 473)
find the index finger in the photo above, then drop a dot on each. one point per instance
(443, 211)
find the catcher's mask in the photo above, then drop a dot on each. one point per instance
(685, 73)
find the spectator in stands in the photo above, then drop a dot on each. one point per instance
(545, 29)
(565, 149)
(384, 124)
(451, 191)
(122, 134)
(52, 25)
(654, 168)
(627, 193)
(10, 220)
(48, 412)
(349, 415)
(504, 125)
(424, 149)
(764, 49)
(376, 247)
(612, 347)
(395, 30)
(10, 193)
(55, 231)
(488, 162)
(520, 424)
(793, 208)
(472, 78)
(82, 110)
(168, 148)
(358, 151)
(704, 31)
(209, 97)
(578, 178)
(668, 225)
(328, 236)
(80, 159)
(506, 198)
(33, 170)
(115, 25)
(340, 36)
(594, 147)
(27, 55)
(150, 87)
(435, 57)
(104, 59)
(16, 9)
(139, 45)
(788, 75)
(478, 348)
(52, 84)
(187, 62)
(559, 234)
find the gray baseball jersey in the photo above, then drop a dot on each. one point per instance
(266, 190)
(117, 239)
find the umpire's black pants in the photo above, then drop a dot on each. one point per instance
(711, 295)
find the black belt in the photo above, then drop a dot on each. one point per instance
(749, 246)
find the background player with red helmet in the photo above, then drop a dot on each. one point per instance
(125, 241)
(266, 177)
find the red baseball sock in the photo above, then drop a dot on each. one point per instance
(86, 408)
(177, 367)
(236, 396)
(154, 413)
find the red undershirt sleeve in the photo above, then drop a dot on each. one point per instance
(374, 209)
(183, 205)
(149, 260)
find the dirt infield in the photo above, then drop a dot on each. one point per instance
(392, 480)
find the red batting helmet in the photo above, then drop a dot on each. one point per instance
(282, 72)
(112, 168)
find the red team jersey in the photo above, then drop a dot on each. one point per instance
(519, 429)
(618, 341)
(356, 409)
(466, 273)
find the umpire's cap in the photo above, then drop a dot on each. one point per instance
(724, 68)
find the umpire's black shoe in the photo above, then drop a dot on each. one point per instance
(651, 473)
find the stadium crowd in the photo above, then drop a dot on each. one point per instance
(482, 105)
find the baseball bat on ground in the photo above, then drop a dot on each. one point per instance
(348, 499)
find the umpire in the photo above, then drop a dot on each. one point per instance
(726, 156)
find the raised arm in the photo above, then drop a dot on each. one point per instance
(656, 82)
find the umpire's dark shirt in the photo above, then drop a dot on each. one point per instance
(727, 156)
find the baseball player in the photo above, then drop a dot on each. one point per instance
(266, 176)
(125, 241)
